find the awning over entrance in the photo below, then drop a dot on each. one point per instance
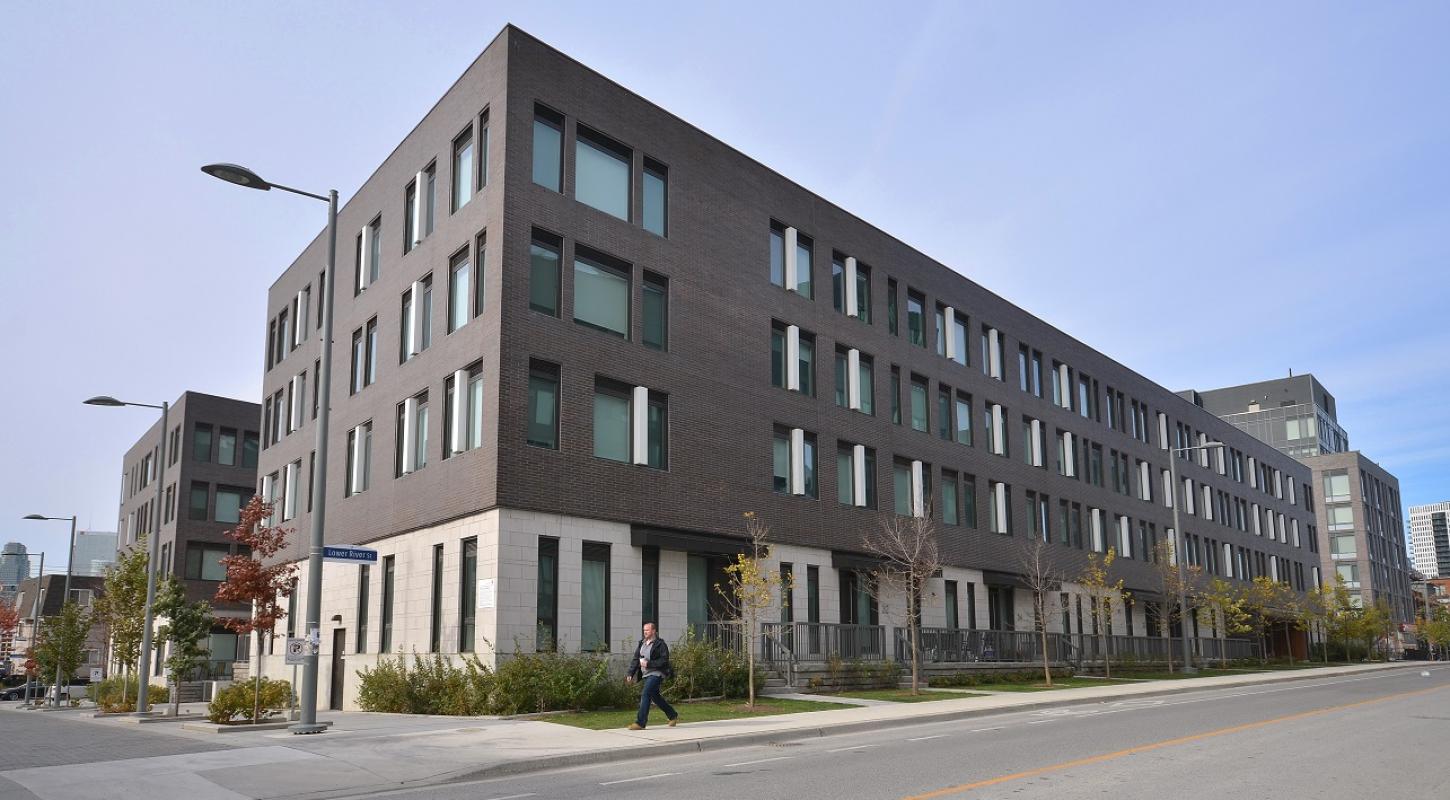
(685, 541)
(994, 578)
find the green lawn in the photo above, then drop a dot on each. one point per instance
(905, 695)
(692, 712)
(1057, 683)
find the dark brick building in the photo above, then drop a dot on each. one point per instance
(603, 335)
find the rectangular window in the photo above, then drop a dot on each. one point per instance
(467, 595)
(410, 451)
(389, 574)
(548, 162)
(543, 426)
(919, 419)
(198, 506)
(204, 562)
(359, 459)
(999, 507)
(229, 502)
(601, 172)
(415, 331)
(891, 306)
(944, 413)
(777, 254)
(950, 513)
(649, 580)
(594, 598)
(950, 593)
(601, 291)
(803, 252)
(964, 418)
(201, 442)
(467, 433)
(896, 395)
(544, 273)
(901, 487)
(460, 272)
(863, 292)
(916, 317)
(546, 603)
(435, 611)
(941, 330)
(611, 420)
(364, 590)
(462, 169)
(656, 309)
(227, 447)
(656, 197)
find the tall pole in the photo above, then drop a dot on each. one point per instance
(308, 699)
(34, 624)
(1180, 545)
(151, 567)
(65, 598)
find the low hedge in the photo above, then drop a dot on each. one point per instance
(116, 694)
(966, 680)
(237, 702)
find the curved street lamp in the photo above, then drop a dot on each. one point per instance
(65, 598)
(241, 176)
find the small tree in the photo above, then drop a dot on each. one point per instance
(1097, 583)
(249, 580)
(1224, 601)
(1342, 618)
(188, 624)
(121, 609)
(752, 588)
(1314, 610)
(1375, 623)
(61, 644)
(1436, 629)
(1044, 580)
(1173, 583)
(906, 548)
(1261, 599)
(9, 618)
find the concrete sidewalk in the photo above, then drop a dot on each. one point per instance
(376, 752)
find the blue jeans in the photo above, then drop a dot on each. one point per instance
(650, 693)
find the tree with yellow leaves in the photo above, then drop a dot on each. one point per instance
(752, 588)
(1097, 583)
(1224, 601)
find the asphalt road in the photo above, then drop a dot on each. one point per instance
(1378, 737)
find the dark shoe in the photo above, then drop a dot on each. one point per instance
(635, 726)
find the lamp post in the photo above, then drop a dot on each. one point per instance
(34, 623)
(241, 176)
(1181, 550)
(143, 669)
(65, 598)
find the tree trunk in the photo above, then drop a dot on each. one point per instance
(913, 629)
(257, 684)
(1168, 624)
(750, 661)
(1046, 662)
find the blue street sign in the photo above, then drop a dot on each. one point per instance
(349, 554)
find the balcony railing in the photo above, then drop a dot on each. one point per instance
(796, 642)
(957, 645)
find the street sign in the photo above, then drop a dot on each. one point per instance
(298, 649)
(97, 674)
(349, 554)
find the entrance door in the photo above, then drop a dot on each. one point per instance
(339, 647)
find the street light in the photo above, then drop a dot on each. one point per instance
(1180, 546)
(241, 176)
(71, 554)
(142, 668)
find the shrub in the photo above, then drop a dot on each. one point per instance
(703, 668)
(116, 694)
(237, 701)
(431, 686)
(534, 682)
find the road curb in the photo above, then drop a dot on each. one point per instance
(592, 757)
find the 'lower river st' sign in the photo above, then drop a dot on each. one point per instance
(349, 554)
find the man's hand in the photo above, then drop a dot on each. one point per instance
(629, 679)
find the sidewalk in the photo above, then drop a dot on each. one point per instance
(375, 752)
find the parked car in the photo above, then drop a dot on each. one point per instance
(37, 689)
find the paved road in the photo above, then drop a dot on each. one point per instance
(1379, 736)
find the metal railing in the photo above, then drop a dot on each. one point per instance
(957, 645)
(783, 642)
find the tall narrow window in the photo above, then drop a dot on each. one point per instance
(415, 331)
(389, 572)
(435, 612)
(896, 395)
(463, 434)
(656, 196)
(601, 291)
(919, 420)
(543, 426)
(601, 172)
(478, 273)
(649, 584)
(916, 318)
(364, 589)
(594, 598)
(656, 311)
(964, 418)
(483, 149)
(226, 453)
(611, 420)
(370, 337)
(546, 597)
(462, 169)
(411, 448)
(544, 273)
(459, 291)
(892, 311)
(467, 594)
(359, 458)
(944, 412)
(949, 507)
(548, 148)
(777, 254)
(201, 442)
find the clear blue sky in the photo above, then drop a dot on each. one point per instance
(1212, 196)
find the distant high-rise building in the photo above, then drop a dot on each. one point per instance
(14, 566)
(95, 550)
(1430, 539)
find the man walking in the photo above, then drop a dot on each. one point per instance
(651, 665)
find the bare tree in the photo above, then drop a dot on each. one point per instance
(1174, 582)
(1045, 582)
(906, 548)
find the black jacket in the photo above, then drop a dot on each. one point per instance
(659, 659)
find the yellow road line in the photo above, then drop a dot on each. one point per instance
(1143, 748)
